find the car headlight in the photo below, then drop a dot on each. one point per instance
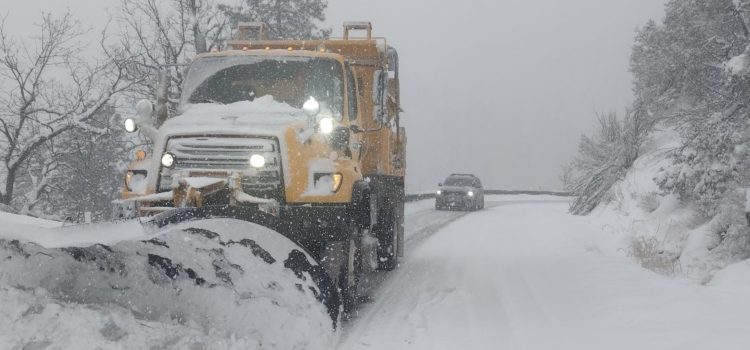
(257, 161)
(470, 193)
(167, 160)
(326, 125)
(439, 192)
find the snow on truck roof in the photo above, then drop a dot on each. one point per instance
(361, 51)
(271, 53)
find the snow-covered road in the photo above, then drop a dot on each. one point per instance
(524, 274)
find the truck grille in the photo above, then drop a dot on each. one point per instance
(221, 156)
(454, 193)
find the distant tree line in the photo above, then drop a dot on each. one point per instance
(62, 149)
(691, 75)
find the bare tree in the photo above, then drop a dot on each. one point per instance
(605, 158)
(48, 90)
(165, 36)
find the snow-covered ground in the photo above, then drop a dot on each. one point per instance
(662, 232)
(524, 274)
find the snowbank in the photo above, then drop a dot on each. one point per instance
(734, 276)
(8, 219)
(213, 284)
(661, 232)
(738, 65)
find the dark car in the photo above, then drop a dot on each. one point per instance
(460, 191)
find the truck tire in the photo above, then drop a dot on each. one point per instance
(349, 255)
(387, 234)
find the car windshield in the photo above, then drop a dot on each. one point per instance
(459, 181)
(291, 80)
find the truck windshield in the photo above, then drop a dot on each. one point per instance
(459, 181)
(291, 80)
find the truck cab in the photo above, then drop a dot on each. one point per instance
(305, 132)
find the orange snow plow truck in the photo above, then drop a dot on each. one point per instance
(300, 136)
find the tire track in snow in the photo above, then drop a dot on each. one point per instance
(420, 226)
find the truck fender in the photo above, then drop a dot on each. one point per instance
(362, 203)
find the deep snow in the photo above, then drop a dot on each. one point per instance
(531, 276)
(661, 232)
(522, 274)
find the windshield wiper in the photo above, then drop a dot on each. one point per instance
(204, 100)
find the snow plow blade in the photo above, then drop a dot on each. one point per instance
(203, 281)
(298, 263)
(180, 215)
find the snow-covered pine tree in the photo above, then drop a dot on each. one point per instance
(287, 19)
(683, 73)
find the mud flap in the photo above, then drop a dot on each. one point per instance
(400, 220)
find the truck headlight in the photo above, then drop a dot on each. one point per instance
(131, 125)
(338, 179)
(167, 160)
(135, 180)
(326, 125)
(439, 192)
(332, 181)
(257, 161)
(140, 154)
(470, 193)
(311, 107)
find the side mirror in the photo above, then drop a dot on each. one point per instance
(144, 120)
(340, 138)
(145, 109)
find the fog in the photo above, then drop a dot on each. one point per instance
(502, 89)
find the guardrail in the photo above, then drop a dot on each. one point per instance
(423, 196)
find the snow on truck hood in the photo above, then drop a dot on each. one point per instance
(263, 115)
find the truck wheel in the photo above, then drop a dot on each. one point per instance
(387, 235)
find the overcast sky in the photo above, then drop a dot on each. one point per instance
(504, 88)
(500, 88)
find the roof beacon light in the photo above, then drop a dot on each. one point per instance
(311, 107)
